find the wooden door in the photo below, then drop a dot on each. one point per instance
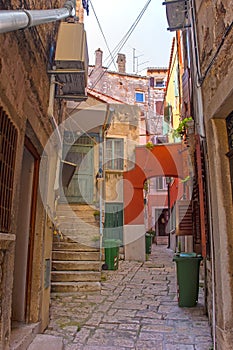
(113, 226)
(80, 189)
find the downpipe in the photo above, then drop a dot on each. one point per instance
(21, 19)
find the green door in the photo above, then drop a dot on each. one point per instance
(113, 225)
(80, 189)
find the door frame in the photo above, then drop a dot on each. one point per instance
(31, 148)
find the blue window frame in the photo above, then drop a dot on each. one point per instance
(139, 97)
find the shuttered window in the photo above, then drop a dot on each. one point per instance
(8, 140)
(184, 218)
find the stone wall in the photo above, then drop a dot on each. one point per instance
(24, 96)
(122, 87)
(215, 39)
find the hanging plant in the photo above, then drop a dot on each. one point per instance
(181, 129)
(150, 145)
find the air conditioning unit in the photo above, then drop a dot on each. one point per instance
(71, 62)
(177, 14)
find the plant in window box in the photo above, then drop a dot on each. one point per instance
(181, 130)
(96, 215)
(150, 145)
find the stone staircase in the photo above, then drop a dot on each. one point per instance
(161, 240)
(76, 262)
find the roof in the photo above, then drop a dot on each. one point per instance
(102, 97)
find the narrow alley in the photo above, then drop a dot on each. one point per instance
(136, 309)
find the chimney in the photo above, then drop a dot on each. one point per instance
(98, 58)
(121, 61)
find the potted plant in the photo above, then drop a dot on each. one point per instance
(97, 215)
(181, 130)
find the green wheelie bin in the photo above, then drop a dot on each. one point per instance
(148, 238)
(111, 250)
(187, 268)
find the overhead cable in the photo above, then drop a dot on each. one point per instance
(105, 40)
(122, 42)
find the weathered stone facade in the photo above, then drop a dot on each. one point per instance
(123, 87)
(215, 39)
(24, 99)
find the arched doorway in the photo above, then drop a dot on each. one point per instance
(162, 160)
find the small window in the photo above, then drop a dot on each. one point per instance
(161, 183)
(140, 97)
(160, 83)
(114, 154)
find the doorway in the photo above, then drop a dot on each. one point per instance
(25, 234)
(80, 188)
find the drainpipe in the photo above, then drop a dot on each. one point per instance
(100, 179)
(201, 131)
(56, 129)
(102, 134)
(21, 19)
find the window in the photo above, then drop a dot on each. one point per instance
(161, 183)
(139, 96)
(8, 144)
(160, 83)
(114, 154)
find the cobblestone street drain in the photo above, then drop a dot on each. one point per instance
(136, 309)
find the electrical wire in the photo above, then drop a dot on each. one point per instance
(105, 40)
(130, 31)
(121, 44)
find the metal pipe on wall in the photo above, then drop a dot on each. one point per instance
(21, 19)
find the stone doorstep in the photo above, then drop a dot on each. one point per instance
(75, 276)
(76, 265)
(73, 246)
(75, 256)
(46, 342)
(22, 335)
(72, 287)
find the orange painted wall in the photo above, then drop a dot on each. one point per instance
(162, 160)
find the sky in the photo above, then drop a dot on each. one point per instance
(150, 39)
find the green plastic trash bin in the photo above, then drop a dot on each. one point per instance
(148, 237)
(187, 268)
(111, 249)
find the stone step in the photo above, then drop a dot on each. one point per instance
(22, 335)
(73, 246)
(76, 265)
(70, 287)
(75, 256)
(75, 208)
(75, 214)
(46, 342)
(162, 240)
(75, 276)
(72, 226)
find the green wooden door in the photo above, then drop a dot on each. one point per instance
(80, 189)
(113, 226)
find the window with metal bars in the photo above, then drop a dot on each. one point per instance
(8, 140)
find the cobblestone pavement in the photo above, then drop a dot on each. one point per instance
(136, 309)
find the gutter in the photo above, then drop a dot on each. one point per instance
(22, 19)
